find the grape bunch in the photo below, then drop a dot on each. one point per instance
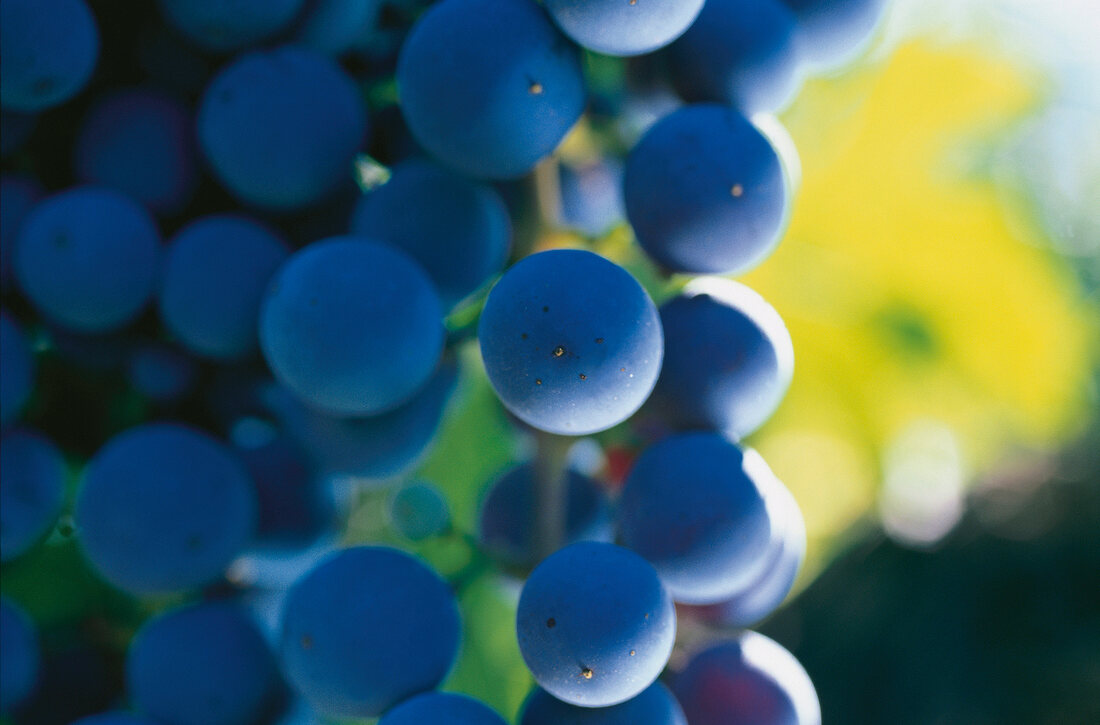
(256, 253)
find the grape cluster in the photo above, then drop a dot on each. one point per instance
(252, 252)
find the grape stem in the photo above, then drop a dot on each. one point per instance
(550, 491)
(548, 191)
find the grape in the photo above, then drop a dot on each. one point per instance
(281, 128)
(489, 87)
(113, 718)
(457, 229)
(571, 342)
(33, 491)
(366, 629)
(205, 664)
(139, 141)
(215, 273)
(48, 50)
(654, 706)
(419, 511)
(351, 326)
(830, 32)
(161, 373)
(228, 25)
(20, 661)
(377, 447)
(762, 596)
(595, 625)
(750, 680)
(18, 195)
(705, 192)
(335, 26)
(163, 508)
(728, 358)
(741, 53)
(15, 128)
(624, 27)
(68, 259)
(16, 369)
(441, 708)
(592, 197)
(507, 522)
(693, 505)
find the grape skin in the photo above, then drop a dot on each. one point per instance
(48, 50)
(571, 342)
(20, 661)
(33, 472)
(441, 708)
(595, 626)
(624, 27)
(228, 25)
(656, 705)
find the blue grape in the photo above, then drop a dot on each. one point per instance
(457, 229)
(693, 505)
(281, 128)
(33, 492)
(17, 369)
(377, 447)
(595, 625)
(164, 508)
(441, 708)
(15, 129)
(68, 259)
(831, 32)
(571, 342)
(113, 718)
(705, 192)
(141, 142)
(750, 680)
(48, 50)
(507, 521)
(592, 197)
(620, 27)
(728, 359)
(351, 326)
(654, 706)
(20, 661)
(228, 25)
(215, 273)
(762, 596)
(293, 508)
(419, 511)
(335, 26)
(489, 87)
(18, 195)
(366, 629)
(205, 664)
(741, 53)
(160, 372)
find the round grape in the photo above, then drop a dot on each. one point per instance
(728, 359)
(33, 492)
(441, 708)
(489, 87)
(141, 142)
(164, 508)
(832, 32)
(48, 50)
(705, 192)
(741, 53)
(457, 229)
(571, 342)
(228, 25)
(281, 128)
(18, 195)
(205, 664)
(20, 661)
(595, 625)
(16, 369)
(215, 273)
(654, 706)
(366, 629)
(624, 27)
(750, 680)
(335, 26)
(68, 259)
(693, 505)
(351, 326)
